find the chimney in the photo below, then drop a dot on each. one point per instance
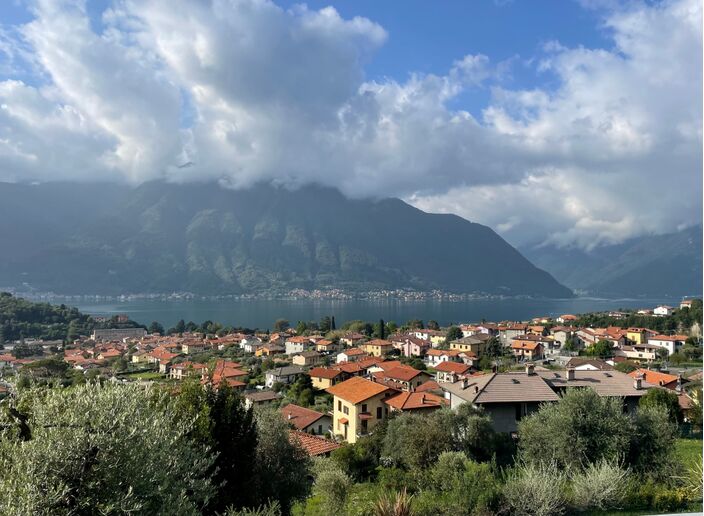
(570, 373)
(678, 388)
(476, 389)
(465, 383)
(290, 416)
(638, 382)
(530, 369)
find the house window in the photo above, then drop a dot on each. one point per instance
(339, 405)
(378, 412)
(320, 429)
(364, 407)
(345, 409)
(364, 426)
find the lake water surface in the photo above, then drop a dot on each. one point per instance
(261, 313)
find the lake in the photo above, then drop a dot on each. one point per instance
(261, 313)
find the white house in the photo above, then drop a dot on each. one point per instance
(672, 343)
(663, 310)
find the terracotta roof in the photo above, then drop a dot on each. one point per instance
(403, 372)
(324, 372)
(387, 365)
(685, 402)
(430, 385)
(654, 377)
(300, 417)
(415, 400)
(355, 390)
(377, 342)
(441, 352)
(312, 444)
(452, 367)
(353, 352)
(669, 338)
(530, 346)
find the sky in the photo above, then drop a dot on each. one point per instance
(555, 122)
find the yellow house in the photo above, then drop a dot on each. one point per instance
(637, 335)
(324, 377)
(377, 347)
(358, 406)
(474, 344)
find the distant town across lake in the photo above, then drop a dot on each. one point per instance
(261, 313)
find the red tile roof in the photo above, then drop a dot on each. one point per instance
(355, 390)
(324, 372)
(313, 444)
(300, 417)
(452, 367)
(415, 401)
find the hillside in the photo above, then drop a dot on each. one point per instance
(158, 237)
(658, 265)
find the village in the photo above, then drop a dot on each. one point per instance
(337, 387)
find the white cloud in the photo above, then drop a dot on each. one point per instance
(245, 91)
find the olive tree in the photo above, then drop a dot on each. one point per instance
(99, 449)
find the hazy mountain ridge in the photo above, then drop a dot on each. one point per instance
(653, 265)
(202, 238)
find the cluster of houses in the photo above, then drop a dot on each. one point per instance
(368, 379)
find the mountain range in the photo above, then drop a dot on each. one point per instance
(111, 239)
(647, 266)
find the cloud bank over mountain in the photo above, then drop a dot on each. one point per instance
(245, 91)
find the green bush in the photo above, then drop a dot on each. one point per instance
(537, 489)
(600, 486)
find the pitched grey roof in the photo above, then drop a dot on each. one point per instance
(285, 371)
(604, 383)
(516, 387)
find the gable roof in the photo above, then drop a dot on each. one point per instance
(324, 372)
(415, 400)
(452, 367)
(312, 444)
(403, 372)
(300, 417)
(357, 389)
(514, 387)
(654, 377)
(604, 383)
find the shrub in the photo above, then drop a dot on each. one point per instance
(270, 509)
(396, 505)
(600, 486)
(536, 489)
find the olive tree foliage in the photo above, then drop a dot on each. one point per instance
(99, 449)
(332, 484)
(536, 489)
(600, 486)
(283, 467)
(582, 428)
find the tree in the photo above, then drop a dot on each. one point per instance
(282, 466)
(180, 326)
(453, 333)
(626, 367)
(281, 325)
(601, 349)
(332, 323)
(227, 427)
(433, 325)
(652, 440)
(663, 398)
(100, 449)
(580, 429)
(156, 327)
(332, 484)
(380, 329)
(414, 324)
(325, 324)
(301, 328)
(415, 441)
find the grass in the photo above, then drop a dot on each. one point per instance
(689, 451)
(145, 375)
